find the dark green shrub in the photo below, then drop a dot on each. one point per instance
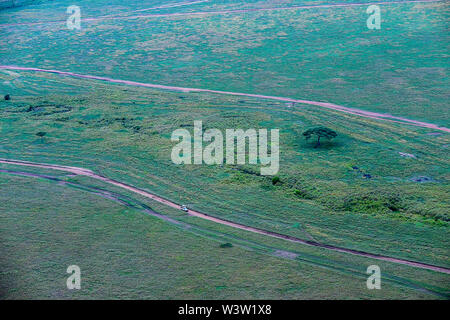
(374, 202)
(275, 180)
(303, 194)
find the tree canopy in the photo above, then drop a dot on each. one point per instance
(41, 134)
(320, 132)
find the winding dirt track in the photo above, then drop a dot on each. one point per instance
(167, 6)
(358, 112)
(216, 12)
(91, 174)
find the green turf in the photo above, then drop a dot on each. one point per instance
(124, 133)
(132, 255)
(325, 54)
(103, 136)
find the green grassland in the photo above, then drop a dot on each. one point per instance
(124, 133)
(325, 54)
(133, 255)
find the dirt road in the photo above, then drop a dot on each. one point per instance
(89, 173)
(358, 112)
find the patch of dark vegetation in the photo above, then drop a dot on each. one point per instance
(378, 201)
(248, 170)
(127, 123)
(63, 119)
(300, 188)
(436, 214)
(229, 115)
(303, 194)
(226, 245)
(375, 202)
(293, 185)
(242, 176)
(276, 180)
(45, 109)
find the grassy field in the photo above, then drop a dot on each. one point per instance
(324, 53)
(132, 255)
(359, 191)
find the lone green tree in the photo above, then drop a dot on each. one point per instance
(41, 135)
(320, 132)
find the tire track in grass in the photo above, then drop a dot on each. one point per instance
(164, 6)
(91, 174)
(354, 111)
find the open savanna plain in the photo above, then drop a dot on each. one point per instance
(379, 187)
